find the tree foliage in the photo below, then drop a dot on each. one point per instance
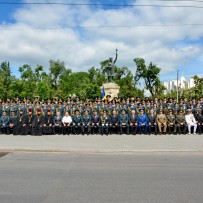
(59, 81)
(150, 74)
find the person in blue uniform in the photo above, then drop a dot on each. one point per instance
(142, 122)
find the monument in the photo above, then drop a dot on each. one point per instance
(110, 87)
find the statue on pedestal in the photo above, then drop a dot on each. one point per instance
(111, 68)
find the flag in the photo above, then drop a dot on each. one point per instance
(103, 93)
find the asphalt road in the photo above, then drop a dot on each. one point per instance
(101, 178)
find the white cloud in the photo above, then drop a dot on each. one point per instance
(168, 47)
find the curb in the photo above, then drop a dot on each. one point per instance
(10, 150)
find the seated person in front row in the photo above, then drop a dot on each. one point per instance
(86, 122)
(124, 122)
(181, 123)
(48, 123)
(95, 122)
(77, 123)
(133, 122)
(4, 123)
(67, 123)
(161, 122)
(57, 123)
(171, 122)
(104, 123)
(199, 120)
(142, 122)
(152, 121)
(114, 122)
(190, 120)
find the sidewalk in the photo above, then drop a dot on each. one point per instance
(102, 144)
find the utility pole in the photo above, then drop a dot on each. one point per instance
(177, 84)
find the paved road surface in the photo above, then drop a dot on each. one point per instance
(101, 178)
(104, 144)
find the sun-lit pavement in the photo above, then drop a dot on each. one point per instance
(98, 143)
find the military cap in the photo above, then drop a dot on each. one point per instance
(38, 110)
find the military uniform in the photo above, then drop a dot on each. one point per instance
(86, 123)
(104, 123)
(124, 122)
(4, 123)
(199, 119)
(77, 123)
(171, 122)
(57, 124)
(133, 123)
(152, 123)
(161, 122)
(114, 122)
(12, 124)
(95, 122)
(181, 123)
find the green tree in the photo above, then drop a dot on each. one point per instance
(28, 78)
(5, 79)
(150, 74)
(57, 67)
(96, 76)
(197, 90)
(124, 78)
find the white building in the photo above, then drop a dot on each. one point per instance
(182, 83)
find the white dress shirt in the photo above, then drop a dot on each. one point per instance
(67, 119)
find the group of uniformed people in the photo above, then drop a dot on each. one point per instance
(131, 115)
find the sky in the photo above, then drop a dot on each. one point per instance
(170, 35)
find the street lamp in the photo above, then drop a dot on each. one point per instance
(177, 84)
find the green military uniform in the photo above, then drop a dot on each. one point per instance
(123, 122)
(86, 123)
(180, 121)
(171, 122)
